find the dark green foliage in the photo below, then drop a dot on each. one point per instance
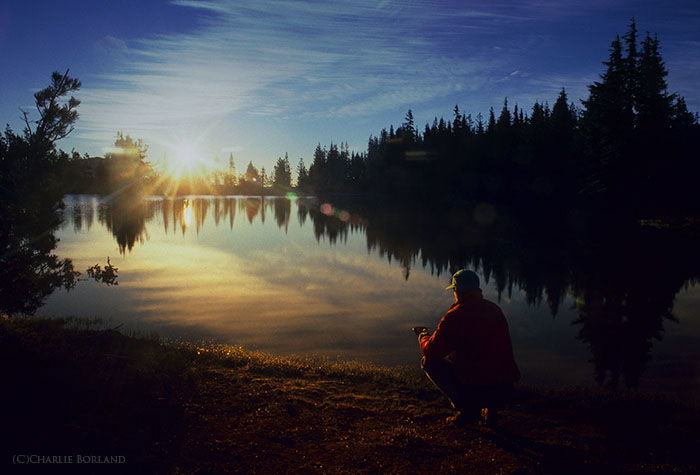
(408, 128)
(302, 175)
(32, 184)
(251, 173)
(107, 275)
(55, 119)
(230, 178)
(263, 177)
(637, 156)
(30, 201)
(127, 170)
(282, 174)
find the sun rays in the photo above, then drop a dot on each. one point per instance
(186, 159)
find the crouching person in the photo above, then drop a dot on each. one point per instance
(470, 356)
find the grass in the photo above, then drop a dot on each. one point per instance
(305, 367)
(73, 388)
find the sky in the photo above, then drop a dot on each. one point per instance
(259, 78)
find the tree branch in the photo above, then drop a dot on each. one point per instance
(25, 117)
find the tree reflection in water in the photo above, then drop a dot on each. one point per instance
(623, 276)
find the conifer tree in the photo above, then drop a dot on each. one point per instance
(230, 177)
(358, 171)
(30, 197)
(302, 175)
(409, 127)
(282, 174)
(630, 63)
(251, 173)
(563, 119)
(480, 124)
(317, 170)
(504, 119)
(608, 124)
(492, 121)
(564, 158)
(682, 119)
(263, 177)
(516, 118)
(335, 170)
(653, 104)
(457, 121)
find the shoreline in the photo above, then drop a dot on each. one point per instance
(221, 408)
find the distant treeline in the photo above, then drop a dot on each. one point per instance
(126, 171)
(632, 145)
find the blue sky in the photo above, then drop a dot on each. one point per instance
(260, 78)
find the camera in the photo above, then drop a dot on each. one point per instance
(419, 330)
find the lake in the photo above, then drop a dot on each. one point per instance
(606, 304)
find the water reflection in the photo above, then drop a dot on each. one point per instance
(623, 278)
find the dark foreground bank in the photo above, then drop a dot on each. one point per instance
(72, 391)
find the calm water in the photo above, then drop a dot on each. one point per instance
(298, 276)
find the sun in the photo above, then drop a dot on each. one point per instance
(185, 159)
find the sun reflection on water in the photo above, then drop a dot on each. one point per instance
(186, 216)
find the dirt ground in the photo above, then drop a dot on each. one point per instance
(222, 409)
(241, 422)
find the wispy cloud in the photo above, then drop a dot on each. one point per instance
(280, 57)
(344, 60)
(114, 43)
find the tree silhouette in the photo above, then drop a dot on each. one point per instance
(302, 175)
(127, 169)
(408, 127)
(263, 177)
(282, 173)
(230, 176)
(251, 173)
(30, 198)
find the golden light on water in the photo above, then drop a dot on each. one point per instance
(247, 280)
(186, 219)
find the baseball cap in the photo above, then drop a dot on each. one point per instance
(464, 279)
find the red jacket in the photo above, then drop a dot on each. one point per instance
(474, 335)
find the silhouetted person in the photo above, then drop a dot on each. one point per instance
(470, 355)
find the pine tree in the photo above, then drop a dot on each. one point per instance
(251, 173)
(335, 169)
(302, 175)
(653, 104)
(492, 121)
(517, 123)
(630, 63)
(263, 177)
(608, 124)
(317, 170)
(682, 119)
(563, 156)
(230, 176)
(457, 121)
(480, 124)
(409, 127)
(30, 198)
(563, 119)
(504, 119)
(282, 174)
(358, 171)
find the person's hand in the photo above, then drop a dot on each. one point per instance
(420, 331)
